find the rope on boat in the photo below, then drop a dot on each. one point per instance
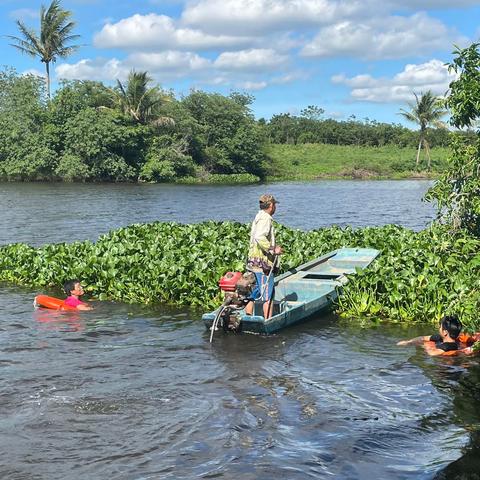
(216, 320)
(262, 293)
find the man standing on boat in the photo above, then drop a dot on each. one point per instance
(262, 255)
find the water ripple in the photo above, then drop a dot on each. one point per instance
(141, 393)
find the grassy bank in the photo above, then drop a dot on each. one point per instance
(418, 276)
(315, 161)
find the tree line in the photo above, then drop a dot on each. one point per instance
(299, 129)
(134, 131)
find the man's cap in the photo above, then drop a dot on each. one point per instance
(267, 198)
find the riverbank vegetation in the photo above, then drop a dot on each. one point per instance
(133, 132)
(137, 132)
(418, 277)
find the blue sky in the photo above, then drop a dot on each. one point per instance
(350, 57)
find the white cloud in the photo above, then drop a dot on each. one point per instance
(156, 32)
(100, 69)
(253, 85)
(254, 60)
(169, 60)
(247, 17)
(164, 65)
(24, 14)
(432, 75)
(381, 38)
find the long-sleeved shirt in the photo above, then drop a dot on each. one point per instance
(262, 243)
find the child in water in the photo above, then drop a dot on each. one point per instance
(445, 340)
(73, 290)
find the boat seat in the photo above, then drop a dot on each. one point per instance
(322, 275)
(277, 307)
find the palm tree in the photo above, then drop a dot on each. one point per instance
(55, 33)
(139, 101)
(427, 110)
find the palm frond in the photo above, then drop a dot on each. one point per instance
(55, 33)
(67, 51)
(408, 115)
(425, 111)
(30, 43)
(136, 99)
(24, 47)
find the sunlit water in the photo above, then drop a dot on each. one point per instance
(129, 392)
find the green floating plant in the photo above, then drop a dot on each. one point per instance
(419, 276)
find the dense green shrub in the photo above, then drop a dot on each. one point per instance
(165, 165)
(84, 133)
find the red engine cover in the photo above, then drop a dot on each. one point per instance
(229, 280)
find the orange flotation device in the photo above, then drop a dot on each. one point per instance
(465, 340)
(456, 353)
(468, 339)
(52, 303)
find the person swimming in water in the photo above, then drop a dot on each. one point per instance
(446, 340)
(73, 289)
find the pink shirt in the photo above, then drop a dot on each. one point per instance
(73, 302)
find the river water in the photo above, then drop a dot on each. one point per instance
(129, 392)
(43, 213)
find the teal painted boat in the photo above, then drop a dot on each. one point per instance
(307, 290)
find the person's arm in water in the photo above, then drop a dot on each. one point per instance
(415, 341)
(432, 350)
(75, 302)
(83, 306)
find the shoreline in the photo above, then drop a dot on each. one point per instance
(360, 174)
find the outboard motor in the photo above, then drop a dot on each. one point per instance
(238, 290)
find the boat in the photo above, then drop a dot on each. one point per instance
(304, 291)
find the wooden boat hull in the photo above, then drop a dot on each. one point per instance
(304, 291)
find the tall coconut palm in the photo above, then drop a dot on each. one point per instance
(427, 110)
(139, 101)
(55, 32)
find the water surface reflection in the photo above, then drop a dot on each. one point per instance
(130, 392)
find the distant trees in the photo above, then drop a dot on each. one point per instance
(291, 129)
(52, 40)
(426, 111)
(25, 149)
(225, 126)
(137, 132)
